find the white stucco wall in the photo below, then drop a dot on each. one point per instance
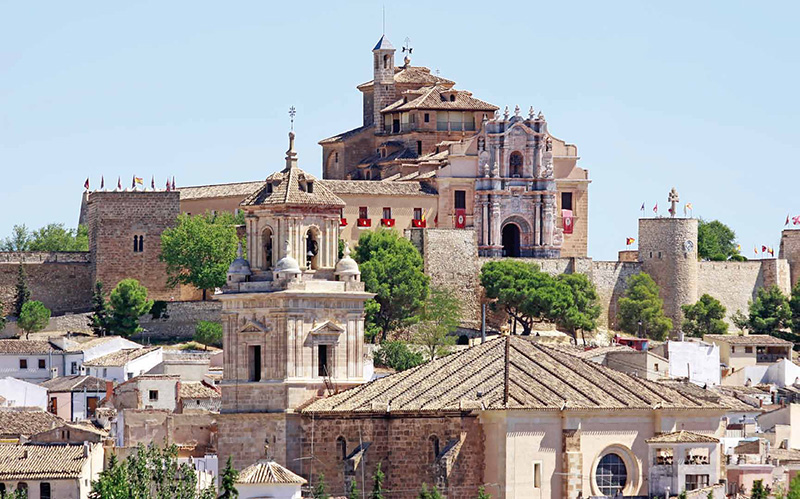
(166, 393)
(143, 364)
(9, 366)
(19, 393)
(696, 360)
(276, 491)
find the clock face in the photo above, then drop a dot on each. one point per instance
(688, 246)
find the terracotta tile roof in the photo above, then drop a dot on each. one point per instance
(747, 339)
(41, 461)
(378, 188)
(682, 437)
(198, 390)
(507, 373)
(595, 352)
(238, 190)
(27, 347)
(438, 97)
(120, 357)
(75, 383)
(695, 392)
(413, 75)
(15, 422)
(288, 187)
(268, 472)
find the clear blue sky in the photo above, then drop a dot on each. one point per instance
(697, 95)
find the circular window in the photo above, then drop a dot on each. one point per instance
(611, 475)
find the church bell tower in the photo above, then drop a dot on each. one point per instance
(383, 80)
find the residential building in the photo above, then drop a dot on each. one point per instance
(199, 395)
(74, 398)
(695, 360)
(739, 351)
(18, 423)
(124, 364)
(782, 426)
(18, 393)
(682, 461)
(148, 391)
(50, 471)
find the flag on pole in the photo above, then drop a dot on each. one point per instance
(755, 250)
(119, 183)
(167, 184)
(86, 184)
(173, 182)
(763, 249)
(102, 182)
(787, 221)
(771, 251)
(153, 182)
(642, 208)
(629, 241)
(655, 209)
(137, 181)
(796, 220)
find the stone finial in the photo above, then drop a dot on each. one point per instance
(291, 154)
(346, 251)
(496, 114)
(287, 247)
(239, 250)
(530, 113)
(516, 110)
(541, 116)
(673, 200)
(505, 113)
(496, 170)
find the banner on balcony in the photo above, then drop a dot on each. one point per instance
(568, 221)
(461, 218)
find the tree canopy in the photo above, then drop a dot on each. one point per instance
(101, 314)
(51, 237)
(769, 312)
(439, 318)
(391, 267)
(33, 318)
(208, 333)
(582, 312)
(227, 482)
(706, 316)
(715, 241)
(641, 303)
(396, 355)
(199, 250)
(794, 307)
(128, 302)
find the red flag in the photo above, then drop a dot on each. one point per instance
(119, 183)
(461, 218)
(167, 184)
(173, 183)
(568, 221)
(102, 182)
(655, 208)
(787, 221)
(763, 249)
(86, 184)
(796, 220)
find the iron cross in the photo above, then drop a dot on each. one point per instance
(292, 114)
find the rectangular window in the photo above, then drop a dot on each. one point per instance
(694, 482)
(656, 367)
(23, 363)
(733, 349)
(44, 490)
(105, 372)
(417, 213)
(153, 395)
(427, 117)
(254, 362)
(42, 364)
(748, 349)
(322, 361)
(91, 406)
(362, 212)
(73, 368)
(387, 213)
(537, 475)
(419, 148)
(566, 200)
(460, 200)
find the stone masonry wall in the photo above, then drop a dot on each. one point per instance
(611, 280)
(180, 320)
(403, 446)
(62, 281)
(790, 251)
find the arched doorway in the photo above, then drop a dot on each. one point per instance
(511, 240)
(266, 246)
(312, 249)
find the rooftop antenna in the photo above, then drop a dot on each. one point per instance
(292, 114)
(383, 32)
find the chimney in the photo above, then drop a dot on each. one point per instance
(86, 448)
(25, 454)
(53, 372)
(109, 390)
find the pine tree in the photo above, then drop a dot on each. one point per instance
(22, 293)
(228, 481)
(354, 492)
(377, 483)
(98, 321)
(482, 493)
(320, 491)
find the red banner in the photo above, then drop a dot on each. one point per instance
(461, 218)
(568, 221)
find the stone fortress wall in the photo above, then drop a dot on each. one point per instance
(790, 251)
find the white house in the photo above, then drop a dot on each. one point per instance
(19, 393)
(74, 398)
(266, 478)
(696, 360)
(78, 350)
(781, 374)
(124, 364)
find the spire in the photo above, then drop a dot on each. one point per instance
(384, 44)
(291, 155)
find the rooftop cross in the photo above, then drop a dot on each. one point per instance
(292, 114)
(407, 47)
(673, 200)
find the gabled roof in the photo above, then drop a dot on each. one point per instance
(507, 373)
(378, 188)
(682, 437)
(198, 390)
(41, 461)
(26, 421)
(75, 383)
(438, 97)
(266, 471)
(120, 357)
(236, 189)
(747, 339)
(27, 347)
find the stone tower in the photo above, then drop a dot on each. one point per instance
(383, 92)
(790, 251)
(668, 252)
(125, 237)
(292, 317)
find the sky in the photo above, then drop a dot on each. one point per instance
(700, 96)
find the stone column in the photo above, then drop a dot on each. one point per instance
(537, 222)
(496, 240)
(572, 464)
(548, 222)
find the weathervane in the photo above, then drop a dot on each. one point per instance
(292, 114)
(407, 47)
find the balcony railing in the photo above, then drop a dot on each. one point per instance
(420, 224)
(769, 358)
(387, 222)
(364, 222)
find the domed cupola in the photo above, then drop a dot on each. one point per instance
(347, 268)
(287, 267)
(239, 270)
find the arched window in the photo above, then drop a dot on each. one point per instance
(611, 475)
(515, 164)
(266, 246)
(312, 249)
(386, 60)
(341, 447)
(433, 440)
(138, 244)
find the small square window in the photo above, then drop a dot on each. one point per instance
(153, 395)
(23, 363)
(42, 364)
(748, 349)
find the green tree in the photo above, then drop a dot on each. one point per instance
(769, 312)
(642, 308)
(582, 311)
(371, 329)
(354, 492)
(715, 241)
(56, 237)
(2, 316)
(377, 482)
(482, 493)
(33, 318)
(320, 491)
(794, 488)
(758, 491)
(21, 292)
(198, 251)
(397, 355)
(439, 318)
(740, 320)
(19, 240)
(704, 317)
(391, 267)
(208, 333)
(128, 303)
(794, 306)
(429, 493)
(99, 319)
(227, 481)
